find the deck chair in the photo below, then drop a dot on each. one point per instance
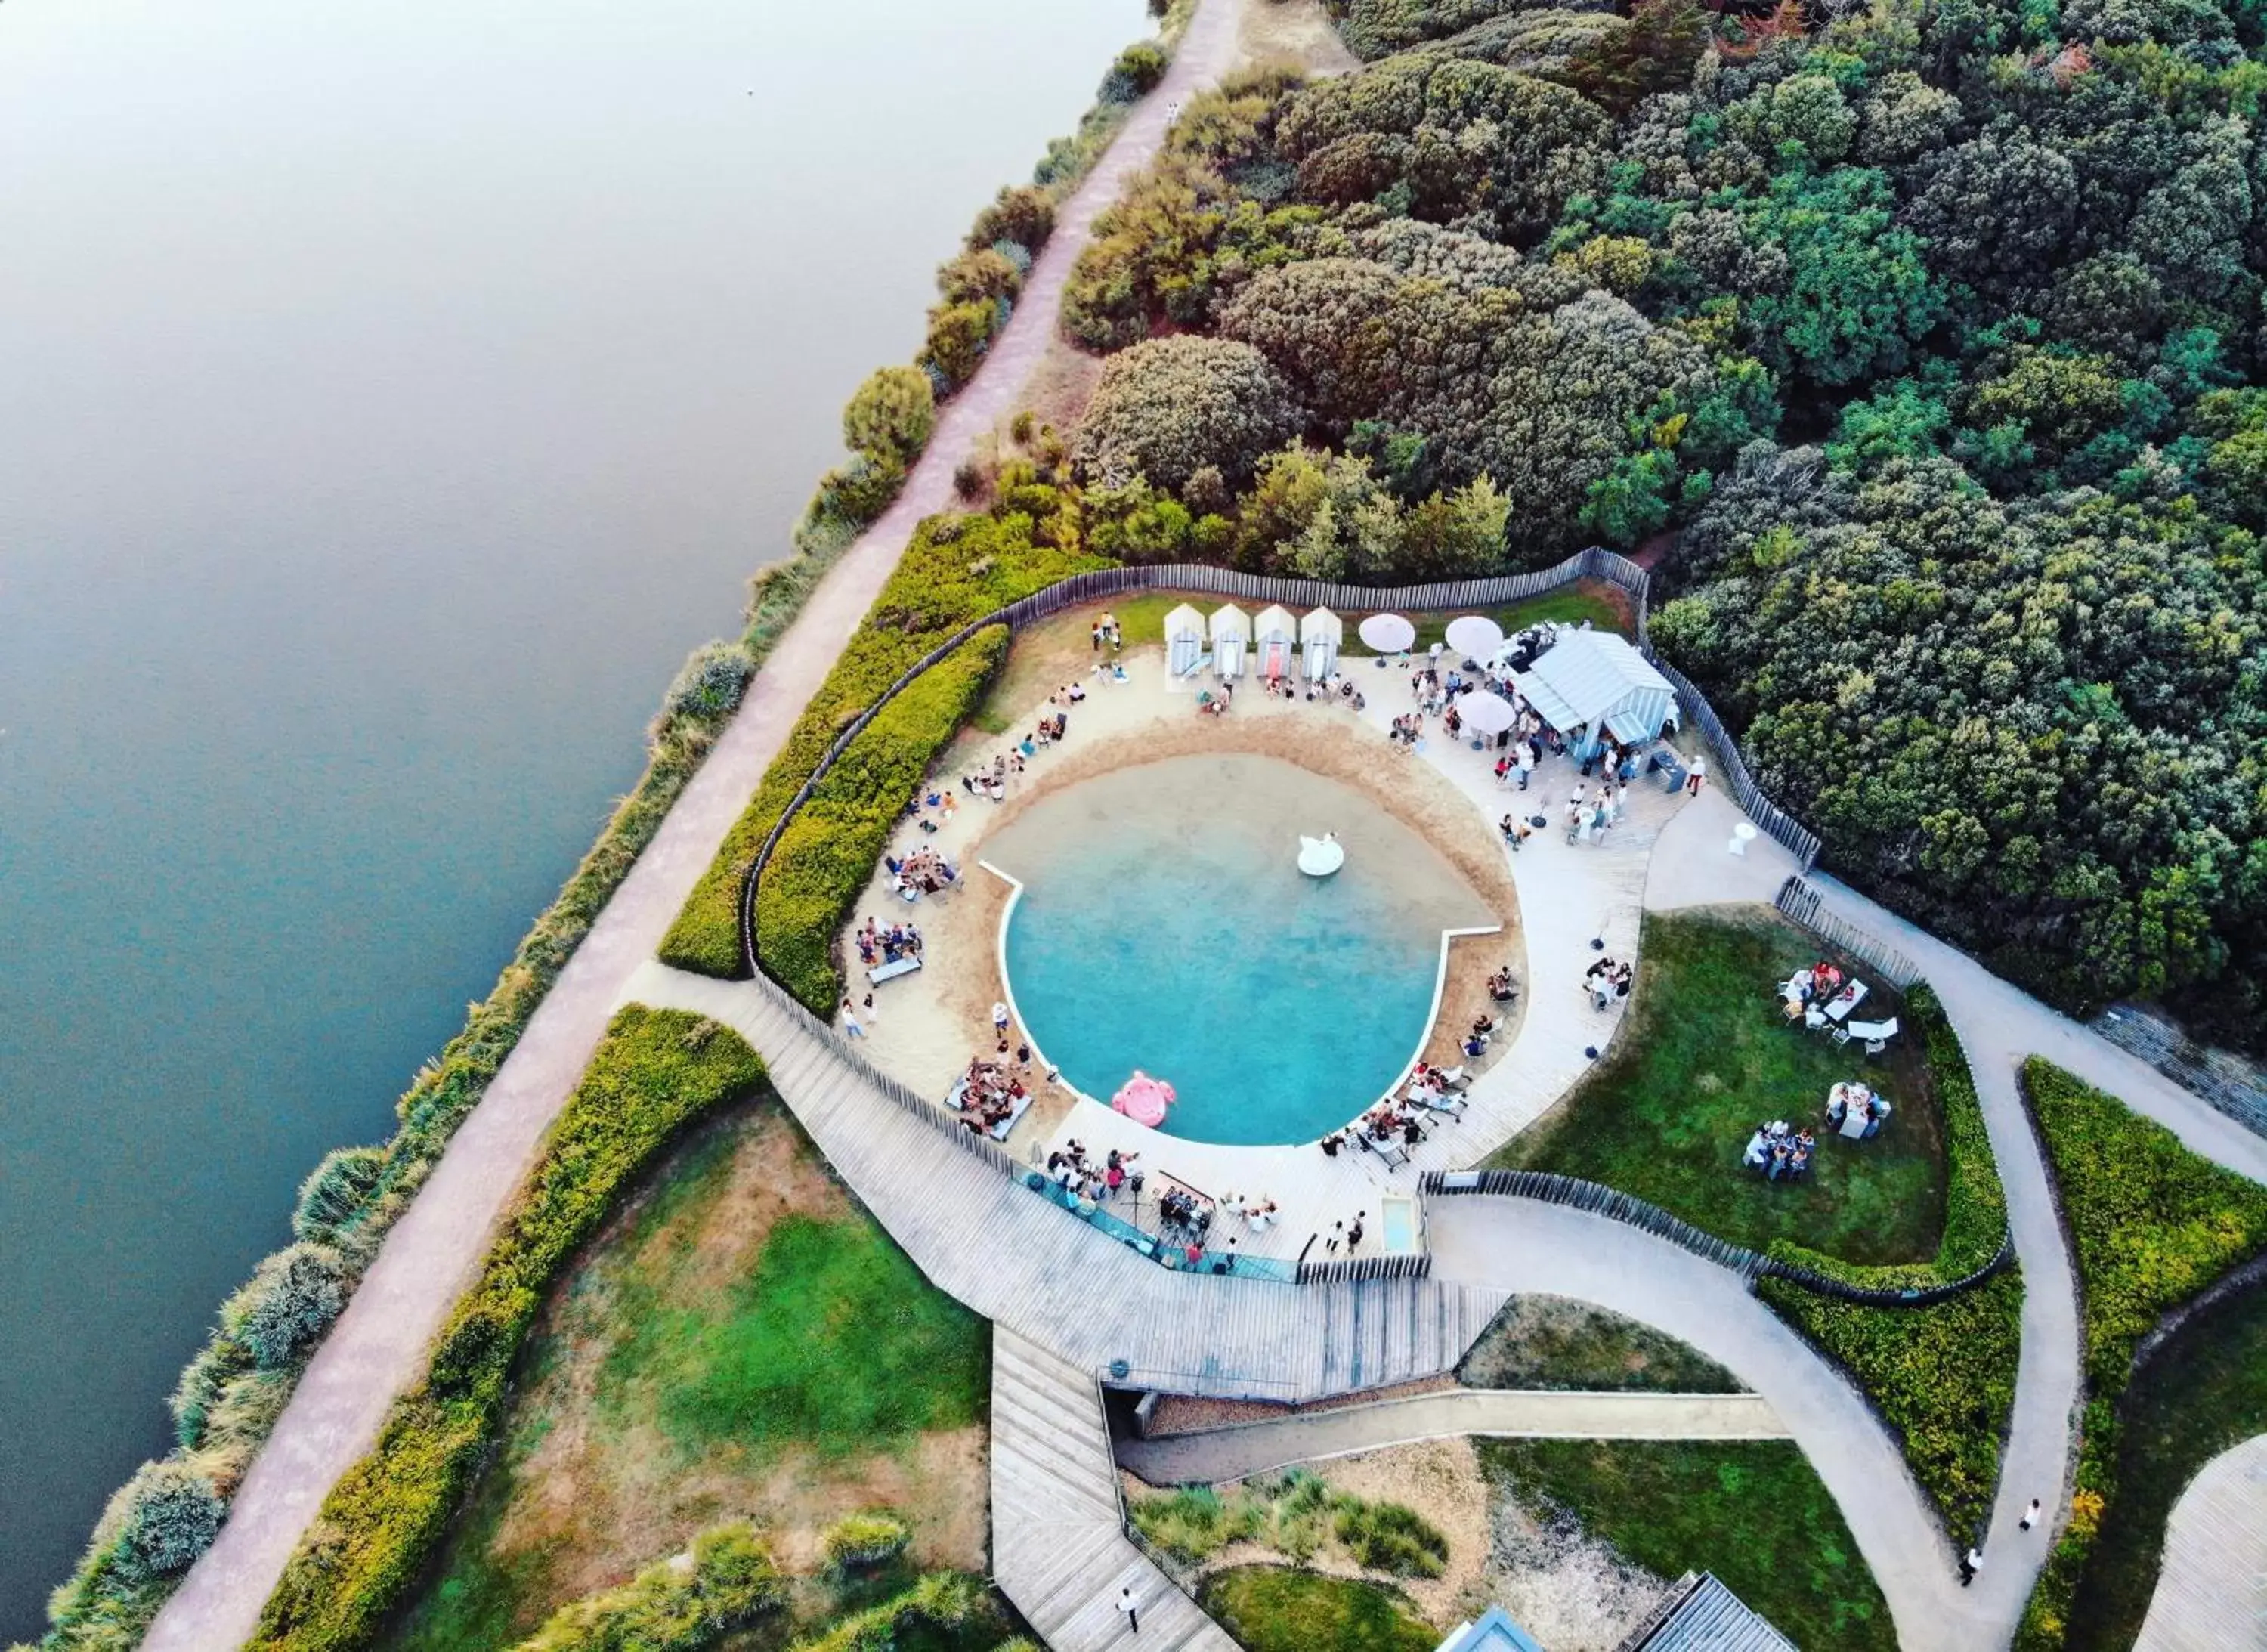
(1392, 1152)
(1451, 1106)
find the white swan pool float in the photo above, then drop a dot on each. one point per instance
(1319, 858)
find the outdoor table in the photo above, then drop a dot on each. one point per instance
(1848, 999)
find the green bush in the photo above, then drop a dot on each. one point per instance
(1135, 74)
(947, 1602)
(1386, 1537)
(1196, 1523)
(866, 1540)
(1275, 1609)
(891, 414)
(956, 569)
(656, 1071)
(2152, 1225)
(729, 1581)
(711, 681)
(336, 1192)
(290, 1301)
(167, 1514)
(1023, 213)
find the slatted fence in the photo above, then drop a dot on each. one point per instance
(1803, 903)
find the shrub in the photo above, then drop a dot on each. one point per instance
(1388, 1537)
(647, 1080)
(949, 1602)
(1020, 427)
(728, 1581)
(986, 275)
(711, 682)
(202, 1379)
(1135, 74)
(1167, 407)
(336, 1192)
(890, 415)
(956, 569)
(1196, 1523)
(1023, 214)
(289, 1302)
(2152, 1225)
(166, 1517)
(866, 1540)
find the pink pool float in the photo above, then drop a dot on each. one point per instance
(1143, 1099)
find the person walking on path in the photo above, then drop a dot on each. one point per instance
(1129, 1609)
(2031, 1516)
(999, 1018)
(1971, 1563)
(851, 1024)
(1694, 775)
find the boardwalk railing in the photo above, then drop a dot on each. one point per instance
(2230, 1084)
(1803, 903)
(1602, 1200)
(1331, 1270)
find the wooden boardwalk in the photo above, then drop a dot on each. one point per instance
(1040, 1272)
(1058, 1549)
(2212, 1590)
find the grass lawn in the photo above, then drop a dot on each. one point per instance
(1703, 1057)
(1276, 1609)
(1753, 1512)
(741, 1341)
(2204, 1391)
(1557, 1343)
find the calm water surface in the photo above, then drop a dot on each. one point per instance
(1165, 925)
(389, 397)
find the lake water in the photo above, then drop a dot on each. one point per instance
(1164, 925)
(389, 397)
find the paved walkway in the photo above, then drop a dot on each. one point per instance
(2212, 1593)
(379, 1346)
(1209, 1456)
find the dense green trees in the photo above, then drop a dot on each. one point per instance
(1933, 334)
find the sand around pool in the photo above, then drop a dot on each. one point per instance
(926, 1026)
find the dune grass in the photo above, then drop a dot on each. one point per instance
(1276, 1609)
(1704, 1057)
(1558, 1342)
(1753, 1512)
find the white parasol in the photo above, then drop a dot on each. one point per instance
(1485, 713)
(1475, 636)
(1387, 633)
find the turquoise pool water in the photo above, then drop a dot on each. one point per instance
(1164, 925)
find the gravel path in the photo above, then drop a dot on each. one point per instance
(379, 1346)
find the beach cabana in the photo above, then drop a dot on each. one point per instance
(1320, 633)
(1184, 641)
(1231, 635)
(1589, 683)
(1273, 635)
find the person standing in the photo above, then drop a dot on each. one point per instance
(1526, 764)
(1695, 776)
(999, 1018)
(1129, 1609)
(1971, 1563)
(851, 1024)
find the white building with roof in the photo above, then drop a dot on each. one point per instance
(1590, 684)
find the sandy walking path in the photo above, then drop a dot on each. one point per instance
(377, 1347)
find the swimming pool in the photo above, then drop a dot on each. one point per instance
(1164, 925)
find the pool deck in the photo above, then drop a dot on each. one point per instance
(1568, 895)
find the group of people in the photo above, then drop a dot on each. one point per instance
(1106, 630)
(878, 945)
(991, 1097)
(1821, 980)
(1778, 1151)
(1608, 982)
(1477, 1037)
(923, 872)
(1587, 816)
(1259, 1214)
(1188, 1212)
(1871, 1107)
(1503, 986)
(1079, 1175)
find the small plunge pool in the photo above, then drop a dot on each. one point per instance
(1165, 925)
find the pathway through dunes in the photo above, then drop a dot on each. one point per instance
(379, 1345)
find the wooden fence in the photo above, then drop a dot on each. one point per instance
(1804, 904)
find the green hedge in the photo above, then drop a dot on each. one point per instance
(656, 1071)
(671, 1608)
(1942, 1376)
(2152, 1225)
(949, 1602)
(957, 571)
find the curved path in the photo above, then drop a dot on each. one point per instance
(1210, 1456)
(2212, 1591)
(379, 1346)
(1999, 1026)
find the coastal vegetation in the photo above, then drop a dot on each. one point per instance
(656, 1072)
(2150, 1225)
(1561, 1342)
(1753, 1512)
(1281, 1609)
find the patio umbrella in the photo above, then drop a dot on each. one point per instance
(1485, 713)
(1475, 634)
(1387, 633)
(1143, 1099)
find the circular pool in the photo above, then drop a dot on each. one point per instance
(1164, 924)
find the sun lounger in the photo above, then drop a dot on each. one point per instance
(1392, 1152)
(957, 1098)
(881, 972)
(1016, 1111)
(1451, 1104)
